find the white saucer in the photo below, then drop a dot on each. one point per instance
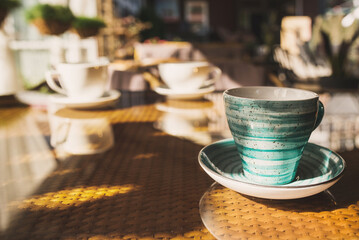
(108, 98)
(33, 98)
(183, 94)
(319, 169)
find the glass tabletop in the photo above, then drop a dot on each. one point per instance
(129, 170)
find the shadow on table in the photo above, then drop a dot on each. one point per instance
(138, 189)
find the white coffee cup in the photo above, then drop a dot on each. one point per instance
(188, 76)
(79, 80)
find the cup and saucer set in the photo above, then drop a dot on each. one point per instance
(81, 85)
(187, 80)
(269, 155)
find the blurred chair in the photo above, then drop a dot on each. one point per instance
(295, 29)
(300, 70)
(297, 65)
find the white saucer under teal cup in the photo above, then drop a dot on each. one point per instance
(318, 169)
(271, 126)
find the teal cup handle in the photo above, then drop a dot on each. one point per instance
(320, 115)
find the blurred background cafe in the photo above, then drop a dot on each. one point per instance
(307, 44)
(253, 42)
(310, 43)
(298, 43)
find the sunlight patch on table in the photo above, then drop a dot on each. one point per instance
(74, 197)
(144, 156)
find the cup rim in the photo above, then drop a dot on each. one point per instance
(229, 92)
(100, 63)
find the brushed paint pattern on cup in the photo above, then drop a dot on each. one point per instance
(270, 129)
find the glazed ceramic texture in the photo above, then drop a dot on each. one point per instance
(270, 127)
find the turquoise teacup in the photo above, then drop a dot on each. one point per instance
(271, 126)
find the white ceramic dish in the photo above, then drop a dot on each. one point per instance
(188, 75)
(33, 98)
(108, 98)
(319, 169)
(183, 94)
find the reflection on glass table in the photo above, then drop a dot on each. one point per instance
(80, 135)
(150, 177)
(26, 159)
(198, 121)
(229, 215)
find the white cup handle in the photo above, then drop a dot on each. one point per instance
(217, 72)
(51, 82)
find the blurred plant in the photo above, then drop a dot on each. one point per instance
(87, 26)
(128, 29)
(50, 19)
(338, 61)
(335, 43)
(6, 6)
